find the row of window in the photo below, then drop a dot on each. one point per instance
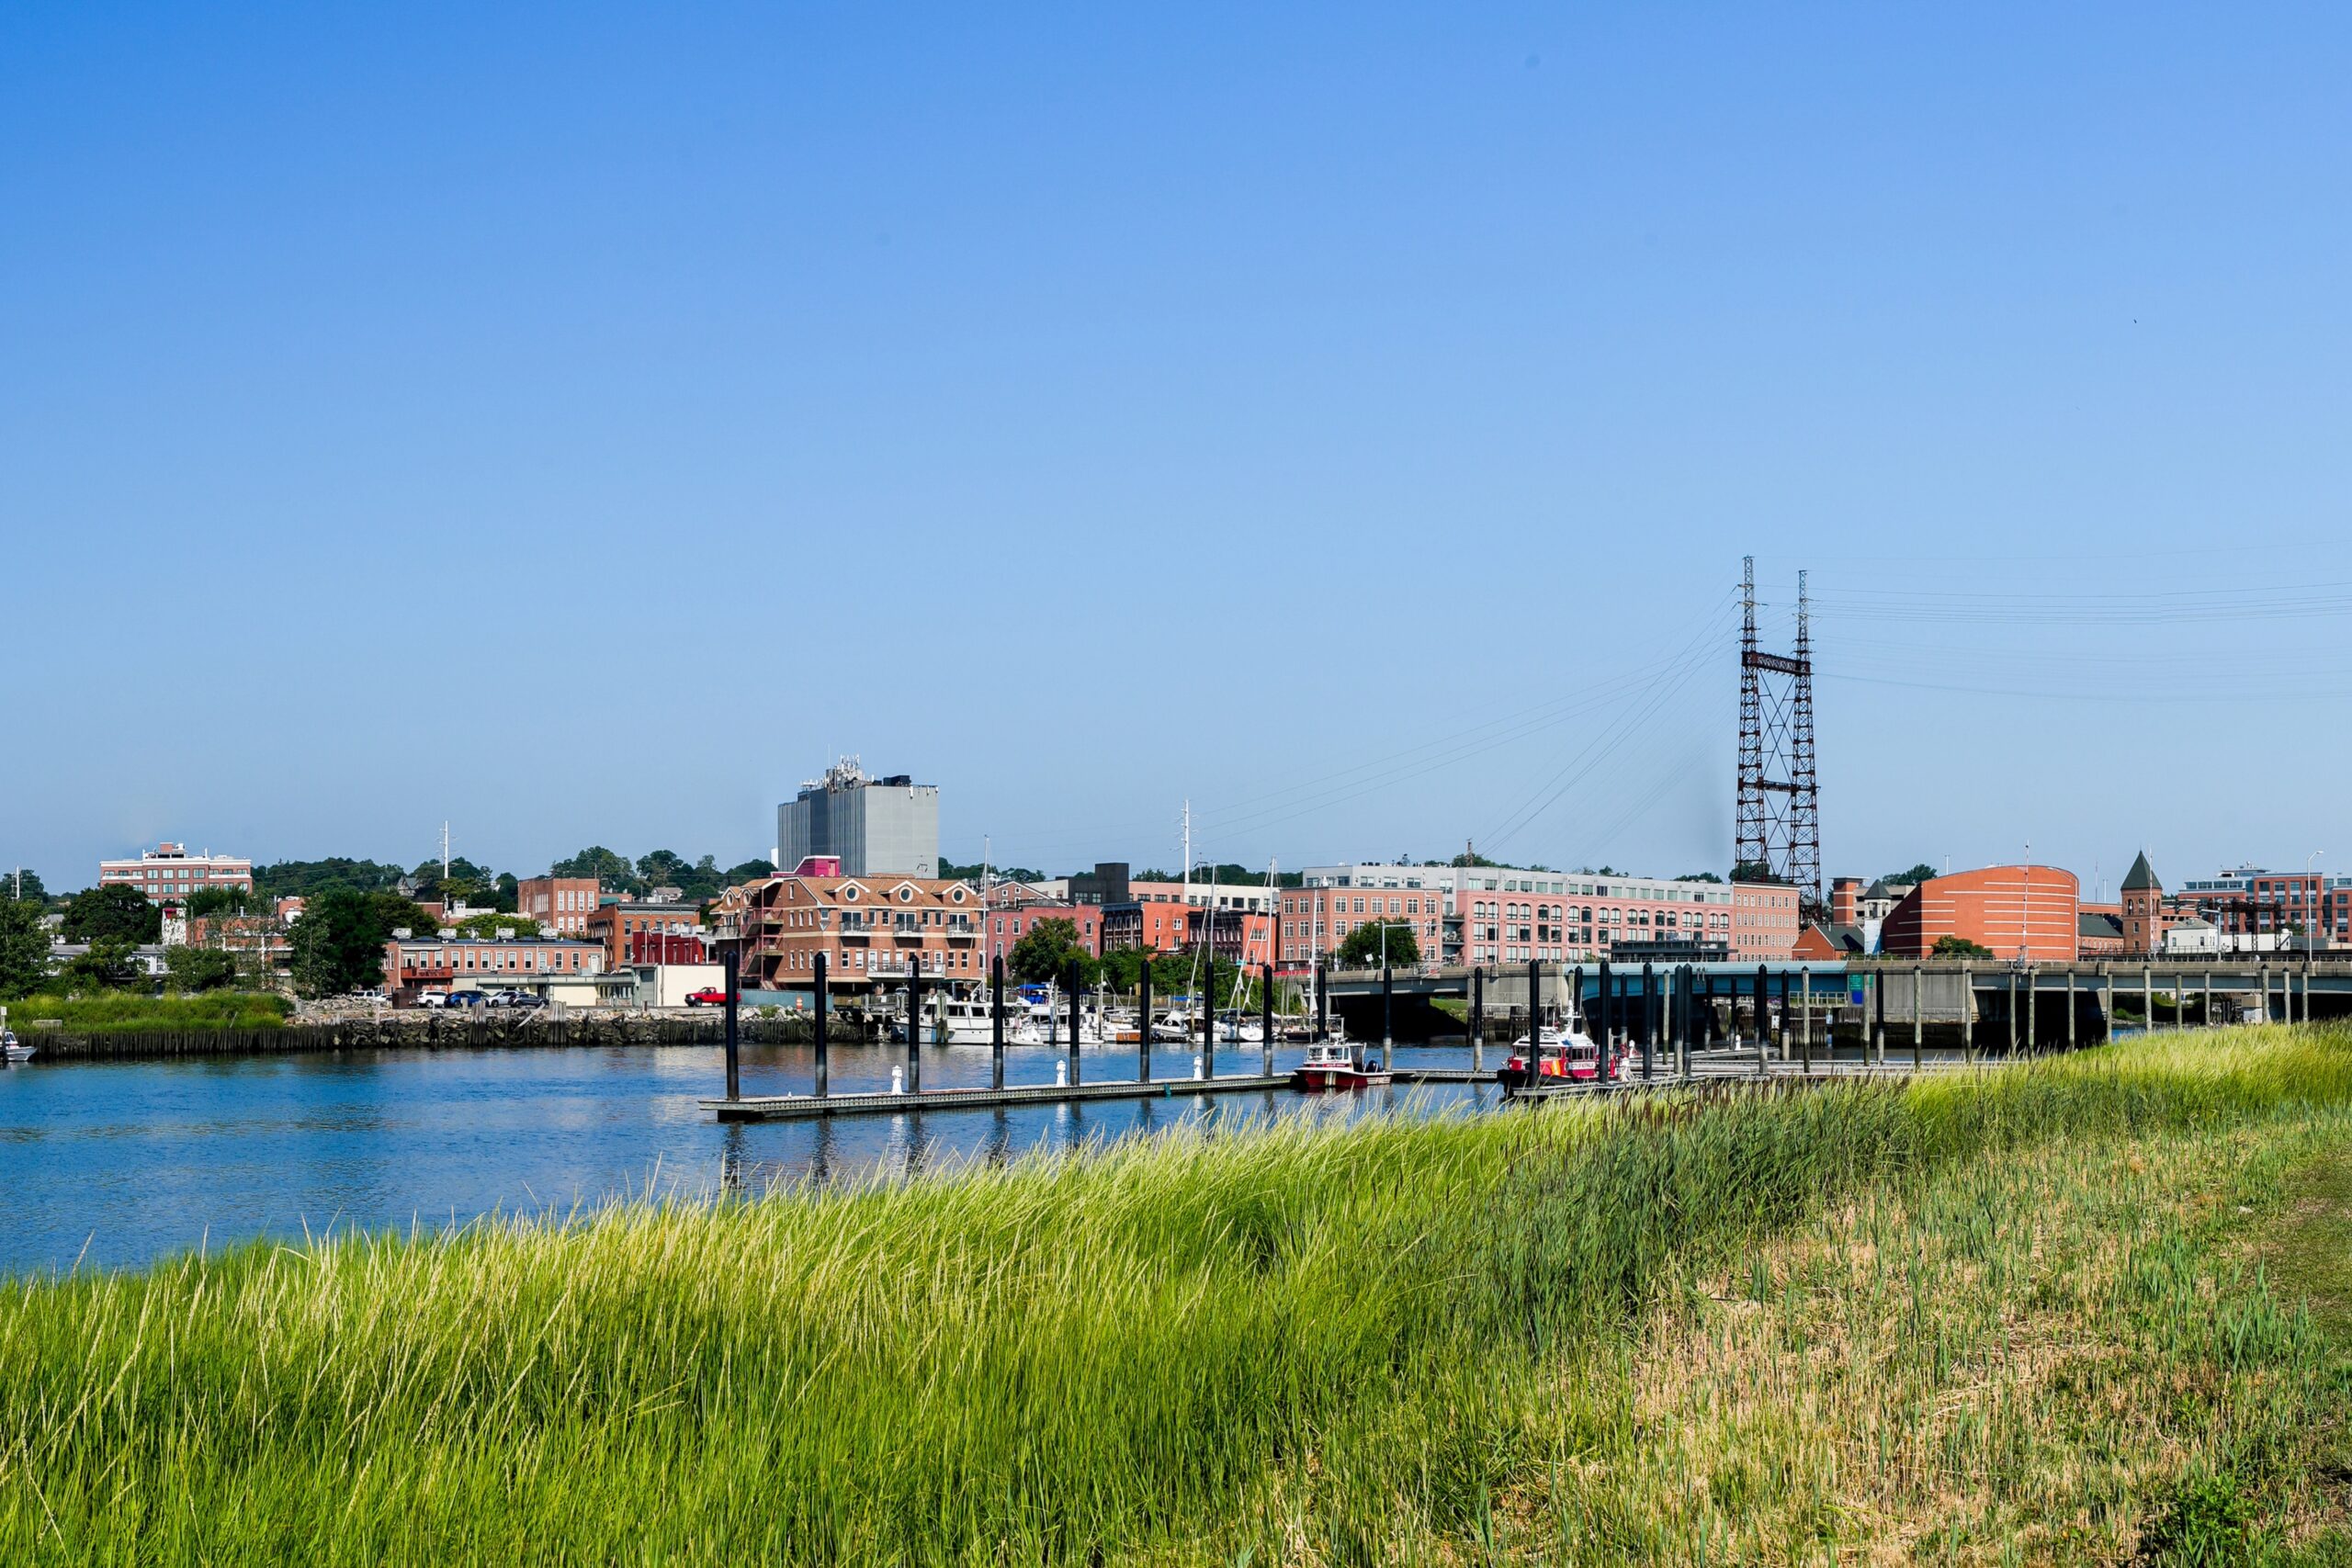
(855, 959)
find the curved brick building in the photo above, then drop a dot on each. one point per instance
(2017, 910)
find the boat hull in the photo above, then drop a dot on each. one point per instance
(1315, 1080)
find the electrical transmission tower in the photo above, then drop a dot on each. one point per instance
(1779, 791)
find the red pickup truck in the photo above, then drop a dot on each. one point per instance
(709, 997)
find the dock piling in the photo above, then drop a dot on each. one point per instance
(1143, 1019)
(1208, 1023)
(996, 1022)
(1077, 999)
(1478, 1019)
(1266, 1022)
(734, 1067)
(818, 1019)
(914, 1022)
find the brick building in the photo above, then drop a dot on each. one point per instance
(563, 903)
(2016, 910)
(614, 927)
(2249, 901)
(1765, 921)
(414, 966)
(1006, 926)
(2142, 909)
(873, 931)
(169, 874)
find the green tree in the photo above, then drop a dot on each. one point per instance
(113, 911)
(1700, 876)
(748, 870)
(110, 963)
(1923, 872)
(19, 883)
(1362, 948)
(1959, 947)
(209, 901)
(338, 944)
(613, 869)
(1046, 951)
(1751, 871)
(301, 878)
(24, 949)
(199, 969)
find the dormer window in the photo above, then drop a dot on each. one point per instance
(849, 894)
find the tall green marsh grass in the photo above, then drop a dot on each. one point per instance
(123, 1013)
(1378, 1342)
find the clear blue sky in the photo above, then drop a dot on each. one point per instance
(575, 423)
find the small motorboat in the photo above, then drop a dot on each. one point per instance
(1335, 1064)
(12, 1049)
(1552, 1057)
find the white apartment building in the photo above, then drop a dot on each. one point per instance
(169, 874)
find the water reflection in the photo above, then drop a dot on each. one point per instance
(121, 1162)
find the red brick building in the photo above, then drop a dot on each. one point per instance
(2143, 909)
(1006, 927)
(872, 930)
(616, 926)
(414, 966)
(2016, 910)
(563, 902)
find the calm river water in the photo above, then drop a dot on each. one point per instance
(116, 1163)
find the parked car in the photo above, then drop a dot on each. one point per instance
(709, 997)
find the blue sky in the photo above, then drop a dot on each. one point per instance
(575, 423)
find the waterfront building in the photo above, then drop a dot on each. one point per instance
(168, 874)
(874, 932)
(617, 927)
(1007, 924)
(2251, 901)
(441, 962)
(878, 827)
(563, 904)
(1492, 915)
(1767, 919)
(2017, 911)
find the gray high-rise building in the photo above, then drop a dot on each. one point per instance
(886, 826)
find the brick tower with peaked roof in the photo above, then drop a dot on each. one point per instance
(2143, 909)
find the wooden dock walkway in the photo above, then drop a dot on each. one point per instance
(807, 1106)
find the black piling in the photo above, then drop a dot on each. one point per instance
(1649, 1017)
(1143, 1019)
(1076, 1000)
(1388, 1013)
(818, 1016)
(996, 1022)
(914, 1023)
(1478, 1019)
(1266, 1021)
(1208, 1021)
(734, 1066)
(1607, 998)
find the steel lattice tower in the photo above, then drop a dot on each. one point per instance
(1779, 791)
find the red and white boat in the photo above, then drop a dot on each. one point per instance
(1335, 1064)
(1553, 1058)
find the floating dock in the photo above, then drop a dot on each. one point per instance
(807, 1106)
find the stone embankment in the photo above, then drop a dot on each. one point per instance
(346, 1026)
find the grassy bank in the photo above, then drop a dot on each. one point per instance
(124, 1013)
(2021, 1317)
